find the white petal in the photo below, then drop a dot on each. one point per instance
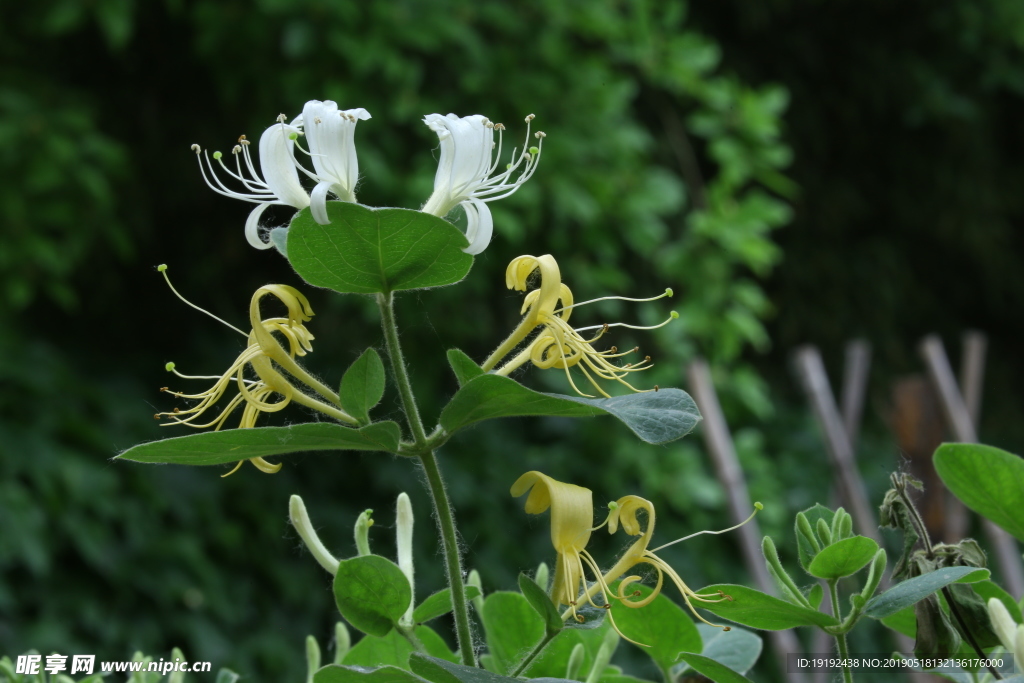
(278, 166)
(466, 147)
(479, 226)
(331, 138)
(318, 202)
(359, 113)
(252, 227)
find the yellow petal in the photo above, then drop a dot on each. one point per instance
(520, 269)
(572, 509)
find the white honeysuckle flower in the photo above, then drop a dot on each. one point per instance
(464, 174)
(330, 134)
(280, 182)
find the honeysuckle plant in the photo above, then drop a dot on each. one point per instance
(565, 628)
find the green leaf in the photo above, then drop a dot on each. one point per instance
(334, 673)
(759, 610)
(805, 550)
(737, 648)
(815, 595)
(464, 367)
(621, 678)
(912, 590)
(903, 621)
(663, 625)
(654, 416)
(554, 658)
(843, 558)
(371, 593)
(232, 445)
(362, 386)
(989, 589)
(439, 671)
(392, 649)
(434, 644)
(440, 603)
(988, 480)
(512, 627)
(540, 601)
(365, 251)
(713, 670)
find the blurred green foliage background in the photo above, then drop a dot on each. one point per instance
(882, 136)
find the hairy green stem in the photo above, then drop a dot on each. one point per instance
(844, 650)
(442, 506)
(386, 303)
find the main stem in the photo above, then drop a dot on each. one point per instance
(844, 650)
(442, 506)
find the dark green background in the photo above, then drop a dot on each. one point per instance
(882, 137)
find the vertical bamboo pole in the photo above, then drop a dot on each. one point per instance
(854, 389)
(855, 383)
(958, 416)
(811, 372)
(730, 475)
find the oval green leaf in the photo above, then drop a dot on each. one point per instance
(434, 644)
(371, 593)
(439, 603)
(366, 251)
(440, 671)
(843, 558)
(335, 673)
(713, 670)
(662, 625)
(988, 480)
(760, 610)
(736, 648)
(464, 367)
(920, 587)
(512, 627)
(654, 416)
(393, 649)
(540, 601)
(362, 385)
(232, 445)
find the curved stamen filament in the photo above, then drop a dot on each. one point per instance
(672, 316)
(757, 508)
(258, 196)
(163, 271)
(667, 292)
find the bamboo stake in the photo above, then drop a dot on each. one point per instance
(855, 382)
(854, 389)
(811, 372)
(958, 416)
(730, 475)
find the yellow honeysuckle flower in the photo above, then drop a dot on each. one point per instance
(572, 511)
(261, 354)
(572, 519)
(559, 345)
(572, 514)
(624, 512)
